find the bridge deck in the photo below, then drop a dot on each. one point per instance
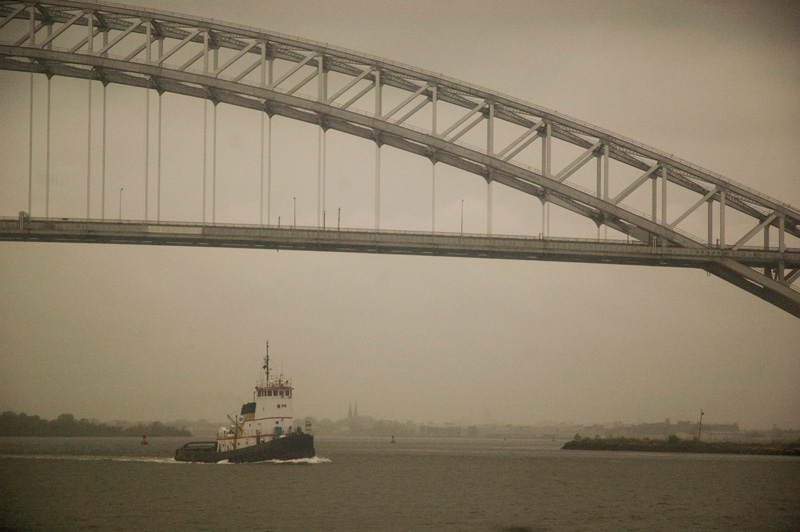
(385, 242)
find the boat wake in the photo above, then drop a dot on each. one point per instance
(79, 458)
(150, 459)
(312, 460)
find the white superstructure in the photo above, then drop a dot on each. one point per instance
(268, 416)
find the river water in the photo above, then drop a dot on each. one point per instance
(421, 484)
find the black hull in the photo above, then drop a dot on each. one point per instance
(291, 447)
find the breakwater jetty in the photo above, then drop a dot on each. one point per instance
(674, 444)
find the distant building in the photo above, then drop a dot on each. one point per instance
(681, 429)
(447, 431)
(352, 412)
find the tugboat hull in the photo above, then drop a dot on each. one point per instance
(290, 447)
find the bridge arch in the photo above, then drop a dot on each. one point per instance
(273, 73)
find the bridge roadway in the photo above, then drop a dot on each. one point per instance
(384, 242)
(735, 266)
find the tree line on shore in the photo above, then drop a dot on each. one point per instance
(13, 424)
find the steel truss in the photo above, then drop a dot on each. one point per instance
(226, 63)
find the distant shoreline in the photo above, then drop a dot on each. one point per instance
(677, 445)
(23, 425)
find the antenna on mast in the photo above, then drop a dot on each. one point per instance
(266, 362)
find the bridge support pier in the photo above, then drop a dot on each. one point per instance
(261, 175)
(47, 163)
(30, 147)
(269, 170)
(434, 100)
(490, 152)
(710, 222)
(546, 171)
(214, 167)
(103, 158)
(158, 170)
(378, 114)
(321, 162)
(205, 156)
(89, 150)
(146, 142)
(377, 187)
(722, 200)
(664, 181)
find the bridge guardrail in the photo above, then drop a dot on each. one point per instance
(173, 227)
(307, 233)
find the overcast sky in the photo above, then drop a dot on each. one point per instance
(143, 333)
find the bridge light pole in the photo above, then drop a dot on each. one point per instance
(294, 222)
(120, 203)
(462, 217)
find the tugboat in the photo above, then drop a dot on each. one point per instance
(262, 431)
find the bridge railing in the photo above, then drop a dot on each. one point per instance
(135, 225)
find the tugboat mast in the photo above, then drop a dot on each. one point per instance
(266, 362)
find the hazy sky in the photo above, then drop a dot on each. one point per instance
(143, 333)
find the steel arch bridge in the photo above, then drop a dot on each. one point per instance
(410, 109)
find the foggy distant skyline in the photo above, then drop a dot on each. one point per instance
(163, 333)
